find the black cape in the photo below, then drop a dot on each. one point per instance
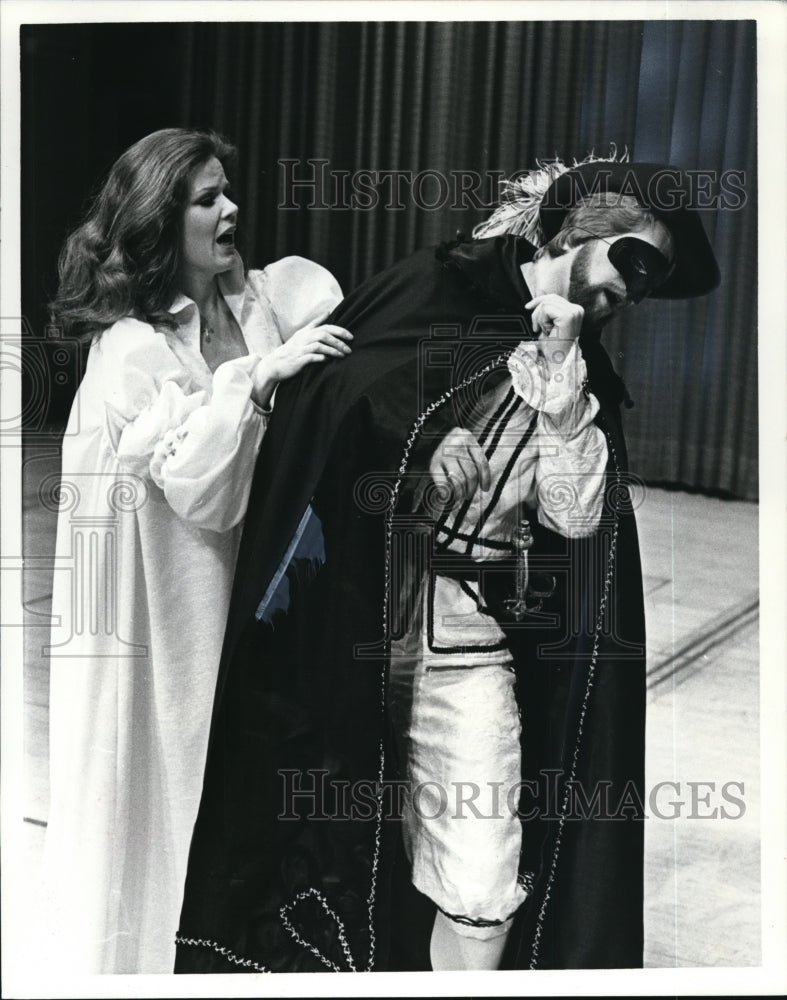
(296, 861)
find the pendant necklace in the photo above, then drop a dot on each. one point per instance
(206, 330)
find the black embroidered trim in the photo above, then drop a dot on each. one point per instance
(492, 648)
(517, 402)
(502, 414)
(462, 536)
(527, 881)
(502, 481)
(474, 921)
(465, 586)
(504, 422)
(497, 415)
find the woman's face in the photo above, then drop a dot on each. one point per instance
(209, 220)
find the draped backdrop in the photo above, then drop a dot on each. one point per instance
(427, 101)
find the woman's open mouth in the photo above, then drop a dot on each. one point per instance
(227, 239)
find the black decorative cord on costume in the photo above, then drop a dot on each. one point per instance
(500, 360)
(284, 913)
(583, 710)
(230, 956)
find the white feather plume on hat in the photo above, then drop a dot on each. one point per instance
(520, 198)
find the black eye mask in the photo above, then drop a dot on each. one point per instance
(641, 265)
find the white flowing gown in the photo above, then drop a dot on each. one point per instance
(157, 462)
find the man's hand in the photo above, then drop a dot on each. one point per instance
(460, 462)
(557, 323)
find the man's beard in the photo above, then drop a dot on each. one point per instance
(597, 310)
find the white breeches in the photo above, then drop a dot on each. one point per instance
(457, 720)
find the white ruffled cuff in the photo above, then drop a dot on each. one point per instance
(561, 394)
(205, 465)
(142, 437)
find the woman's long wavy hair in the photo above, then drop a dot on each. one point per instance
(123, 258)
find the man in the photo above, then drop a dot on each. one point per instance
(488, 638)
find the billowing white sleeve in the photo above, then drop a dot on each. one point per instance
(572, 449)
(301, 293)
(204, 465)
(198, 447)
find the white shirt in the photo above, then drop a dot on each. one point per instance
(544, 450)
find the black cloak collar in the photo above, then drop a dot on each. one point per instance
(494, 266)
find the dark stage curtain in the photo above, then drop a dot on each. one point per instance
(476, 99)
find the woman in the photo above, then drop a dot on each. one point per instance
(186, 352)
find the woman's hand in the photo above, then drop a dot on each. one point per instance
(308, 346)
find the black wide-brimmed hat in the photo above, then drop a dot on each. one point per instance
(666, 191)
